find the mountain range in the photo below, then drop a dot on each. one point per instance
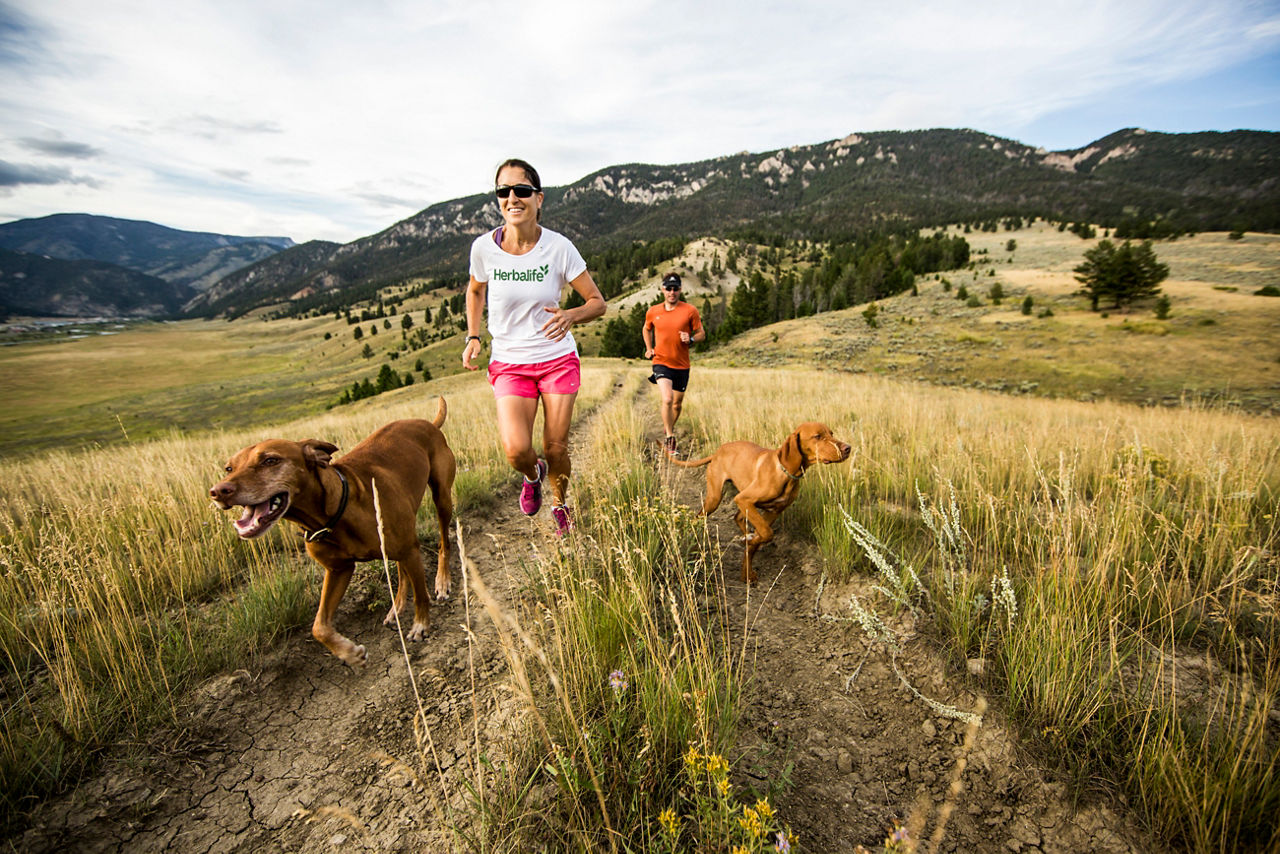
(1193, 182)
(79, 264)
(830, 190)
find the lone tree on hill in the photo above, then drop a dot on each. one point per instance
(1123, 274)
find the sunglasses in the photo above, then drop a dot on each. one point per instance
(522, 191)
(671, 287)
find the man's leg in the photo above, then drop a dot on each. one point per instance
(669, 412)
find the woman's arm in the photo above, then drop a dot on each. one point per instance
(564, 319)
(475, 311)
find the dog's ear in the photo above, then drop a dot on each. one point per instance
(317, 453)
(792, 452)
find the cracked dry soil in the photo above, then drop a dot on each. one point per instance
(303, 754)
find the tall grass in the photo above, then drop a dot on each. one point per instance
(632, 679)
(120, 586)
(1142, 547)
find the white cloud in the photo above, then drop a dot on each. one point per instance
(332, 119)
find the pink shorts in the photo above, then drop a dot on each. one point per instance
(559, 376)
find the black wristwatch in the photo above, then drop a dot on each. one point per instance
(474, 338)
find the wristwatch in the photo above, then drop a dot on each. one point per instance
(474, 338)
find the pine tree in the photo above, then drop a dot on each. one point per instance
(1122, 274)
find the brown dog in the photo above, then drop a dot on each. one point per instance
(767, 480)
(333, 502)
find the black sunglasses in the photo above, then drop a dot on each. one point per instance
(671, 286)
(522, 191)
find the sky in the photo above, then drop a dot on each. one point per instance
(333, 119)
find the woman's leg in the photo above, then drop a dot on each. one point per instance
(515, 430)
(557, 415)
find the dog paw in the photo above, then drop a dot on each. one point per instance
(417, 632)
(356, 658)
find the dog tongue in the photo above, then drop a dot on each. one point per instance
(252, 517)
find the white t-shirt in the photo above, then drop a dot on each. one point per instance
(519, 288)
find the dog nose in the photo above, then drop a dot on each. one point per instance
(222, 490)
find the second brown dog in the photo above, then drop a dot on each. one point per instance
(767, 480)
(333, 501)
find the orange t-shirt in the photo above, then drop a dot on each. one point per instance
(668, 349)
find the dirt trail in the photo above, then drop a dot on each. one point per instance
(302, 754)
(865, 753)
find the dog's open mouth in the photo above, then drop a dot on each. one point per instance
(258, 518)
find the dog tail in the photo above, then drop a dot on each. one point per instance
(441, 412)
(691, 464)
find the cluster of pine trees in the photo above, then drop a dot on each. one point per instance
(612, 268)
(387, 380)
(869, 267)
(1123, 274)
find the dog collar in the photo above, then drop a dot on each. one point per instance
(333, 520)
(789, 474)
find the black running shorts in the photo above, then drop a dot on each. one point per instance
(679, 378)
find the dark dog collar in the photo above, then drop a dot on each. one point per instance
(334, 519)
(789, 474)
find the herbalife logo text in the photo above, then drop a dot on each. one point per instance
(535, 275)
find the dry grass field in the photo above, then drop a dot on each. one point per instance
(1113, 566)
(1221, 342)
(1104, 573)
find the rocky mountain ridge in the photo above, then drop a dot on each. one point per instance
(824, 191)
(1200, 181)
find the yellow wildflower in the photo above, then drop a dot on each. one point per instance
(750, 822)
(762, 807)
(670, 821)
(692, 756)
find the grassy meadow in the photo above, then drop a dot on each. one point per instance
(1221, 342)
(1114, 566)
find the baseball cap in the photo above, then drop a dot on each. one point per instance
(671, 282)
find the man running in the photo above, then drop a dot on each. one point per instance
(670, 327)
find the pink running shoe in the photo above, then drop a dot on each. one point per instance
(564, 523)
(531, 492)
